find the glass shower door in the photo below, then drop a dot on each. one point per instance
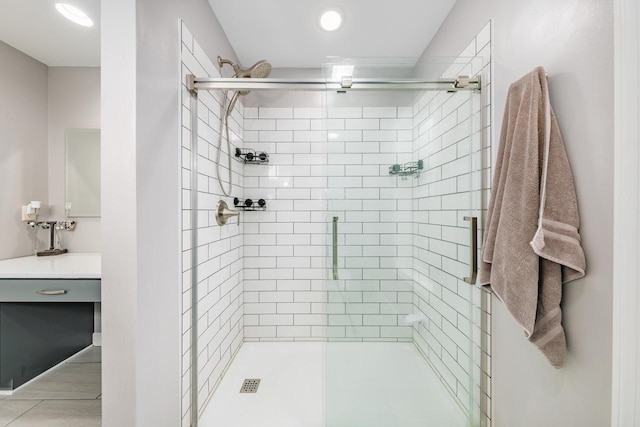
(401, 321)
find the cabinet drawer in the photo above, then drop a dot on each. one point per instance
(49, 290)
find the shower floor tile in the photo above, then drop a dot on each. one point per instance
(331, 385)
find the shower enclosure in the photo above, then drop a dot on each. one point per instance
(370, 184)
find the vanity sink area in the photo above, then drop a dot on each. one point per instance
(46, 312)
(50, 304)
(66, 266)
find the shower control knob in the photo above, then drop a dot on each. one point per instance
(262, 157)
(262, 203)
(248, 203)
(236, 201)
(249, 156)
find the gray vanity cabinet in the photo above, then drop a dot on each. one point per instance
(43, 322)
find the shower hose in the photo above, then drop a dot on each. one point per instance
(224, 125)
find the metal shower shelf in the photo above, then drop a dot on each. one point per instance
(410, 168)
(249, 156)
(250, 205)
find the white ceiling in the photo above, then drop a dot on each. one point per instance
(286, 32)
(37, 29)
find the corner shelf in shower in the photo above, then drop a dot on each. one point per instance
(250, 205)
(249, 156)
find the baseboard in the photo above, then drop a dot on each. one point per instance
(97, 339)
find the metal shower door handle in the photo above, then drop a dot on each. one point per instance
(335, 248)
(473, 266)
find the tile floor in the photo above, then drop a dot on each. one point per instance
(67, 396)
(331, 385)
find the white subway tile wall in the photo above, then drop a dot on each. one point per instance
(219, 249)
(313, 176)
(403, 244)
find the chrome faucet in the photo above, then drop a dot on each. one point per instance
(52, 226)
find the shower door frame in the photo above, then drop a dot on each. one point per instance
(462, 83)
(195, 84)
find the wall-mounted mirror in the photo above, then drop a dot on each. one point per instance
(82, 172)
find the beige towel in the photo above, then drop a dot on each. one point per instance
(531, 239)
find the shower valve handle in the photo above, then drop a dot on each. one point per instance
(223, 213)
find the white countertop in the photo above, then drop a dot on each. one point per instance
(65, 266)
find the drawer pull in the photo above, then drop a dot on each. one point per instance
(52, 292)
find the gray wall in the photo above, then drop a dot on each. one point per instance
(23, 145)
(74, 103)
(141, 210)
(574, 42)
(37, 104)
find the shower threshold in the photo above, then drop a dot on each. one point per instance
(335, 384)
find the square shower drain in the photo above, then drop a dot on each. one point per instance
(250, 385)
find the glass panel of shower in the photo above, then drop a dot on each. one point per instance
(402, 349)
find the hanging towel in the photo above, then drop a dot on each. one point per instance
(531, 240)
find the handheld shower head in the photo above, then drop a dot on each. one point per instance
(234, 98)
(260, 69)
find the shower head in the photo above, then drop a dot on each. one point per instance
(260, 69)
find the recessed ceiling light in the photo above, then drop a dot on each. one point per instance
(74, 14)
(331, 20)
